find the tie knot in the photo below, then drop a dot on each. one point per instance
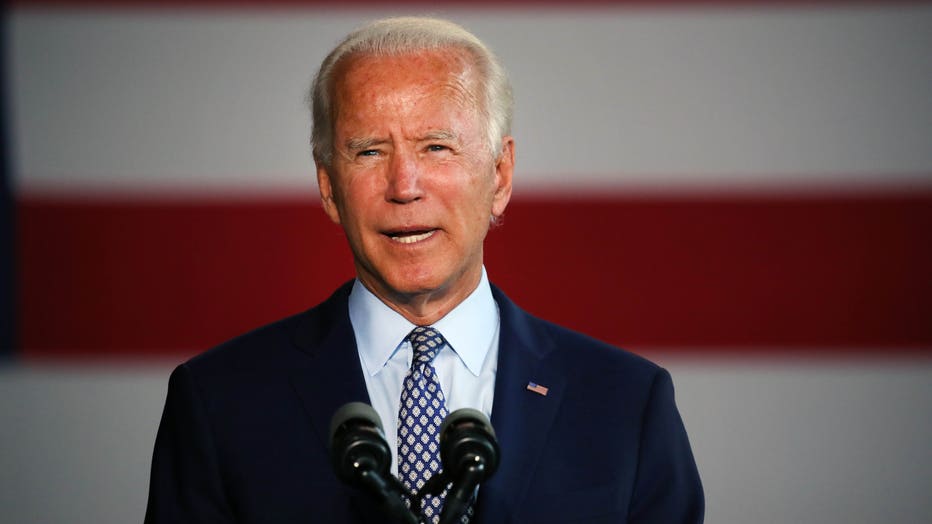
(426, 342)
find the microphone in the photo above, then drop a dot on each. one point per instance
(469, 452)
(361, 458)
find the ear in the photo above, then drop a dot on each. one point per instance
(504, 169)
(324, 182)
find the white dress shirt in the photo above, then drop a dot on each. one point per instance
(465, 366)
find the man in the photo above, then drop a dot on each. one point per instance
(415, 161)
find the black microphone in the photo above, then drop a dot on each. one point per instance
(361, 458)
(469, 452)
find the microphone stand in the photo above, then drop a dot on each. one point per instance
(434, 486)
(462, 490)
(389, 491)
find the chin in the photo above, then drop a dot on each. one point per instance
(422, 278)
(417, 284)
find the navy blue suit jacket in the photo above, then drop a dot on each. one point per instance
(243, 437)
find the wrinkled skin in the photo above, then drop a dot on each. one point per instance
(413, 180)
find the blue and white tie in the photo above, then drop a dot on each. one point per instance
(423, 409)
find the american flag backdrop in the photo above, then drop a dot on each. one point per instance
(741, 191)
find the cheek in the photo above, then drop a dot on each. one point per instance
(468, 198)
(358, 189)
(483, 187)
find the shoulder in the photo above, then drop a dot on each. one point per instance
(276, 344)
(594, 365)
(581, 358)
(582, 347)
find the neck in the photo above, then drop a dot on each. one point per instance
(425, 308)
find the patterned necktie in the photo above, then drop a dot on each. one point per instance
(423, 409)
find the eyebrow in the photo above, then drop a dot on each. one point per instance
(440, 135)
(359, 144)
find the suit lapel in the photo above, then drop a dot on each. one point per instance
(522, 418)
(332, 375)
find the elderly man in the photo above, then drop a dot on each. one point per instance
(414, 157)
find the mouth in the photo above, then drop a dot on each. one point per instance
(410, 236)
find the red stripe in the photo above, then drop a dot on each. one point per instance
(831, 272)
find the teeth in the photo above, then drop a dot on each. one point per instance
(410, 239)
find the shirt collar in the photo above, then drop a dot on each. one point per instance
(380, 331)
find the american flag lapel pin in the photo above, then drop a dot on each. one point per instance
(537, 388)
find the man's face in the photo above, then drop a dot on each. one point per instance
(413, 181)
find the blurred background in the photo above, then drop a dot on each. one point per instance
(741, 191)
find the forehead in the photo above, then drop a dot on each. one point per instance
(365, 79)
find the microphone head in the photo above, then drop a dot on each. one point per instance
(358, 413)
(467, 437)
(357, 443)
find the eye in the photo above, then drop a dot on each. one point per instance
(368, 152)
(437, 147)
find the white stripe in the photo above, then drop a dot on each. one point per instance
(805, 443)
(676, 97)
(810, 442)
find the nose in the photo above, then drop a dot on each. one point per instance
(403, 178)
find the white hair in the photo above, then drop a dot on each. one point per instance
(398, 36)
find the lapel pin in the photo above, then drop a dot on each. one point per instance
(537, 388)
